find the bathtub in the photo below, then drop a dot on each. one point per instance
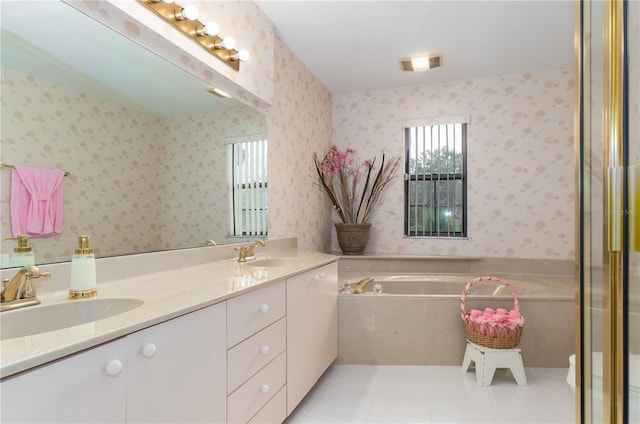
(416, 318)
(453, 285)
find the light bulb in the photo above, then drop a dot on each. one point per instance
(420, 63)
(242, 55)
(210, 28)
(227, 43)
(188, 12)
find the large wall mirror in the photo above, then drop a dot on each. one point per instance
(146, 143)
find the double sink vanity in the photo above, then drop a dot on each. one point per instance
(220, 342)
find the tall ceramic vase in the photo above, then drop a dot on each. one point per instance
(353, 238)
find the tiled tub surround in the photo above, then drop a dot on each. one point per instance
(171, 284)
(424, 328)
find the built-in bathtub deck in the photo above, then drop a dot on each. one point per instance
(416, 321)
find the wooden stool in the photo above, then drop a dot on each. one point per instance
(487, 360)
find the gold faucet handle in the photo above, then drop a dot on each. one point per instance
(5, 284)
(34, 272)
(28, 291)
(253, 245)
(242, 257)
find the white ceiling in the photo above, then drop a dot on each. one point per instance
(353, 46)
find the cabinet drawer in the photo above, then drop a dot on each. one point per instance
(248, 357)
(252, 395)
(249, 313)
(274, 412)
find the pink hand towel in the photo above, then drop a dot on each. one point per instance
(36, 201)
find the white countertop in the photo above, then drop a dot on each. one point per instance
(166, 295)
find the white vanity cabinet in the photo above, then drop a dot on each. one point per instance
(256, 356)
(176, 371)
(170, 372)
(248, 359)
(312, 329)
(76, 389)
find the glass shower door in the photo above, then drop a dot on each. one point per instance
(633, 58)
(592, 232)
(608, 159)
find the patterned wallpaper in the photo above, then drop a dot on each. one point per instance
(520, 139)
(520, 161)
(139, 182)
(299, 124)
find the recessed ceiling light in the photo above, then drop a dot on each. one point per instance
(421, 63)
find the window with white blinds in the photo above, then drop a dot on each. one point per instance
(436, 180)
(247, 162)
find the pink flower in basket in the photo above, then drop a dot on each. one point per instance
(474, 313)
(511, 325)
(489, 311)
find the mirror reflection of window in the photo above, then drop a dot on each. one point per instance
(247, 162)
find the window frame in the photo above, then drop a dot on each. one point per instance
(435, 177)
(236, 229)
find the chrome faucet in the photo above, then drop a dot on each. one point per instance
(247, 252)
(19, 292)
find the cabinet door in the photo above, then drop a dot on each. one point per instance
(312, 329)
(76, 389)
(177, 369)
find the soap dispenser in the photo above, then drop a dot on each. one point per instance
(83, 271)
(22, 254)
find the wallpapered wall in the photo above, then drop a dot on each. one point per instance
(520, 161)
(520, 138)
(299, 119)
(139, 182)
(299, 111)
(299, 124)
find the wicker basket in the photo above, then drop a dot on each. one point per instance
(495, 335)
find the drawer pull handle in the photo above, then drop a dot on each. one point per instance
(113, 368)
(148, 350)
(264, 308)
(319, 276)
(264, 389)
(264, 350)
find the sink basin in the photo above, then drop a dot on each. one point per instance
(270, 262)
(32, 320)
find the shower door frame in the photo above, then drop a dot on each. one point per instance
(614, 268)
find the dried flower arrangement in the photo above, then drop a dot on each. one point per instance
(353, 189)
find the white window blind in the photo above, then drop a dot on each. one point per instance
(247, 162)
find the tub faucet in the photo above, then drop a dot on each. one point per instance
(246, 252)
(19, 292)
(359, 288)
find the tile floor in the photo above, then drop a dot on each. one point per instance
(434, 394)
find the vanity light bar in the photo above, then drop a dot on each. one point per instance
(185, 19)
